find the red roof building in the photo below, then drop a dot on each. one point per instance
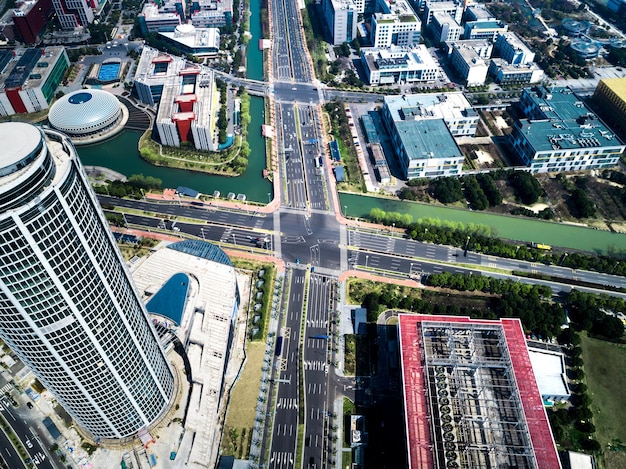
(470, 395)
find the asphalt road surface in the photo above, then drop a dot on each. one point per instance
(286, 418)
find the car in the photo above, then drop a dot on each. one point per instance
(29, 405)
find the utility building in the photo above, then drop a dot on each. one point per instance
(470, 395)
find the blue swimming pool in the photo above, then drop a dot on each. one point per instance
(170, 300)
(109, 72)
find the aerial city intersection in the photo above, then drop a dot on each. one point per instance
(137, 358)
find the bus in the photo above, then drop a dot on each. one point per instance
(543, 247)
(279, 345)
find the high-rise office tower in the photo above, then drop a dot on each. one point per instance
(74, 13)
(68, 307)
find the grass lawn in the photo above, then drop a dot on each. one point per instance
(243, 400)
(349, 361)
(605, 371)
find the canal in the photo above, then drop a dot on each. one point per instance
(121, 154)
(517, 228)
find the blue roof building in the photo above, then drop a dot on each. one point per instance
(561, 134)
(340, 175)
(422, 128)
(182, 190)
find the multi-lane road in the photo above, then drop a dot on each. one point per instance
(306, 234)
(30, 439)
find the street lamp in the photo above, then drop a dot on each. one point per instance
(202, 231)
(345, 211)
(367, 257)
(234, 239)
(269, 197)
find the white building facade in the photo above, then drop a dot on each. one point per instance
(389, 29)
(341, 19)
(469, 64)
(395, 24)
(398, 65)
(68, 307)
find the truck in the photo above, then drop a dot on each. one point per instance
(543, 247)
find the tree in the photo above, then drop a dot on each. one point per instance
(343, 50)
(581, 205)
(609, 327)
(590, 444)
(527, 188)
(446, 189)
(474, 194)
(490, 189)
(406, 194)
(569, 336)
(482, 99)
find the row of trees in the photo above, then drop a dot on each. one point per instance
(222, 119)
(483, 239)
(532, 304)
(240, 163)
(481, 190)
(572, 427)
(527, 302)
(595, 314)
(131, 188)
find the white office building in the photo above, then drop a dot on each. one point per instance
(68, 307)
(484, 29)
(398, 65)
(422, 140)
(445, 28)
(477, 12)
(454, 9)
(395, 24)
(73, 13)
(341, 19)
(469, 64)
(561, 134)
(506, 73)
(390, 29)
(513, 50)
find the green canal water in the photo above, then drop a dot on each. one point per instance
(254, 56)
(120, 153)
(521, 229)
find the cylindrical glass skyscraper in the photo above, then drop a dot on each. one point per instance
(68, 307)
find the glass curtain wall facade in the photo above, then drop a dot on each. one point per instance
(68, 307)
